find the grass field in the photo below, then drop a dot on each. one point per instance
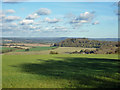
(7, 48)
(46, 50)
(2, 49)
(61, 71)
(36, 48)
(63, 50)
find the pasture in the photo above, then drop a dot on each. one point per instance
(64, 50)
(46, 50)
(7, 48)
(36, 48)
(61, 71)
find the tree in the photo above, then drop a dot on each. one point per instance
(81, 51)
(87, 51)
(26, 49)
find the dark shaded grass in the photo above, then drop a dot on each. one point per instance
(86, 72)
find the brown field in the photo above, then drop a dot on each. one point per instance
(26, 44)
(42, 45)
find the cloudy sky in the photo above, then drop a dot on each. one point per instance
(65, 19)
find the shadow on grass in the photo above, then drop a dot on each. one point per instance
(80, 72)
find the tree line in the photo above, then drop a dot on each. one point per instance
(85, 43)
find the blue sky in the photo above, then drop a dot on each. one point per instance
(65, 19)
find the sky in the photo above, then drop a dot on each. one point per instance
(59, 19)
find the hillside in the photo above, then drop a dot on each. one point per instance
(84, 42)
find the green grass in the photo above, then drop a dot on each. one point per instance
(60, 71)
(37, 48)
(7, 48)
(2, 49)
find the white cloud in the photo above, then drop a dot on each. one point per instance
(1, 11)
(25, 22)
(14, 24)
(38, 30)
(43, 11)
(83, 18)
(69, 15)
(86, 16)
(2, 16)
(33, 16)
(51, 20)
(11, 18)
(9, 26)
(38, 13)
(60, 28)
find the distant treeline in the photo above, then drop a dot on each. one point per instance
(41, 40)
(85, 43)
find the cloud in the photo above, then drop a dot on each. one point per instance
(14, 24)
(29, 27)
(83, 18)
(9, 11)
(1, 11)
(60, 28)
(32, 16)
(96, 22)
(53, 29)
(38, 13)
(2, 16)
(38, 30)
(51, 20)
(43, 11)
(69, 15)
(26, 22)
(11, 18)
(9, 26)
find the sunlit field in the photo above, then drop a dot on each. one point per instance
(36, 48)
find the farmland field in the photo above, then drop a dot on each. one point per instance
(37, 48)
(63, 50)
(61, 71)
(6, 48)
(3, 49)
(46, 50)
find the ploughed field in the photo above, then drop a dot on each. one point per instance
(61, 71)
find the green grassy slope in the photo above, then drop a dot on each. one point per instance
(37, 48)
(44, 50)
(60, 71)
(6, 48)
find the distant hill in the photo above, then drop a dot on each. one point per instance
(105, 39)
(46, 39)
(43, 40)
(84, 42)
